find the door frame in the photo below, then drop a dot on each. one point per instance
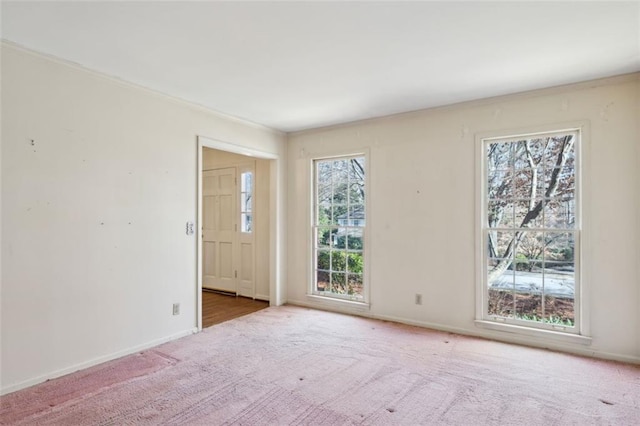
(274, 196)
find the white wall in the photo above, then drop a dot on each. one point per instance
(422, 214)
(94, 250)
(214, 159)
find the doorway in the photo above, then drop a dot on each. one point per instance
(236, 243)
(218, 307)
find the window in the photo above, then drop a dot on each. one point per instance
(530, 231)
(246, 202)
(339, 227)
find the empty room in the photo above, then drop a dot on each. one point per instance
(391, 213)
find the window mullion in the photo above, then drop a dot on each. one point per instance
(543, 261)
(336, 175)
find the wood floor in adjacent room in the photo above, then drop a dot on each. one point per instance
(217, 308)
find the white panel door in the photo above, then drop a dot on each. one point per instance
(219, 227)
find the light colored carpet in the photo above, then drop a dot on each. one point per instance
(291, 365)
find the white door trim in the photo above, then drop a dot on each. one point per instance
(274, 243)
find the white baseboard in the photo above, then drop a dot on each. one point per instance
(95, 361)
(481, 333)
(578, 349)
(264, 297)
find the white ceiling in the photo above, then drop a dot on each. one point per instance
(299, 65)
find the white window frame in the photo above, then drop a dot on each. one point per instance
(330, 299)
(576, 334)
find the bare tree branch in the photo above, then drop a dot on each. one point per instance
(535, 208)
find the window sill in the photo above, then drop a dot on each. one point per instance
(535, 332)
(335, 302)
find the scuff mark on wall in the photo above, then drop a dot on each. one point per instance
(605, 111)
(464, 131)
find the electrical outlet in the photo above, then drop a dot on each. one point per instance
(418, 299)
(176, 309)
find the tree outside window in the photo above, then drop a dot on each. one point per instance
(339, 223)
(531, 229)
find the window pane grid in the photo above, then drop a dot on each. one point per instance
(339, 221)
(246, 202)
(530, 230)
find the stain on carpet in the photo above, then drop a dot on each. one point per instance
(355, 370)
(54, 393)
